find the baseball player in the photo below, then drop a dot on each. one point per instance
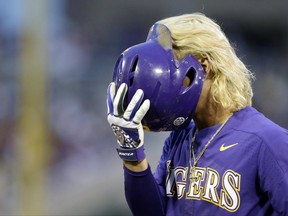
(222, 156)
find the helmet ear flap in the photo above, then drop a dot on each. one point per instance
(161, 34)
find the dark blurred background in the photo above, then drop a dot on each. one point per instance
(57, 151)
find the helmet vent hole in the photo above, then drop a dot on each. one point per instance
(133, 69)
(135, 62)
(131, 81)
(189, 78)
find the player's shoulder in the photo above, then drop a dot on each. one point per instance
(251, 121)
(270, 139)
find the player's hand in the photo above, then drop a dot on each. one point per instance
(126, 124)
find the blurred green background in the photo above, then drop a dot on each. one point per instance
(57, 151)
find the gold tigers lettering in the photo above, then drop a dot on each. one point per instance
(205, 185)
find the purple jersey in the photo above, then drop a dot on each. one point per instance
(243, 171)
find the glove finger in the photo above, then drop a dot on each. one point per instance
(110, 96)
(133, 105)
(141, 112)
(119, 100)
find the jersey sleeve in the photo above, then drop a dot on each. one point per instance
(142, 193)
(273, 172)
(145, 191)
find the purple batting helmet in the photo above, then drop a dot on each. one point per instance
(152, 67)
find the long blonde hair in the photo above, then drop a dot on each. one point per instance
(200, 36)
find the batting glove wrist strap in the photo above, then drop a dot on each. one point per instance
(131, 154)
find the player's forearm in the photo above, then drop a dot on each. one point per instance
(143, 194)
(136, 166)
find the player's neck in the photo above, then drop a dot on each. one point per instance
(211, 116)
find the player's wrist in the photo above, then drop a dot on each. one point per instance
(136, 166)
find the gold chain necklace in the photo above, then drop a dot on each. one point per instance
(196, 159)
